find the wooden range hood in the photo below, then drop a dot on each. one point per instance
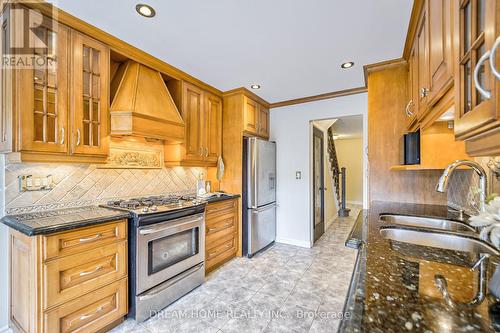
(143, 106)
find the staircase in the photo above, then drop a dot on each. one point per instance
(334, 165)
(338, 174)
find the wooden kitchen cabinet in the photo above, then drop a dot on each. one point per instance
(192, 113)
(478, 116)
(43, 105)
(222, 232)
(255, 118)
(411, 109)
(69, 281)
(202, 114)
(213, 127)
(440, 46)
(422, 44)
(430, 61)
(5, 89)
(90, 93)
(251, 116)
(56, 110)
(263, 121)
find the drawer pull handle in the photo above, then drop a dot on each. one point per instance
(90, 239)
(87, 316)
(220, 228)
(97, 269)
(214, 210)
(228, 246)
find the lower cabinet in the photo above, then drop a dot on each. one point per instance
(74, 281)
(222, 226)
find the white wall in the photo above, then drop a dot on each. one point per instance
(4, 255)
(291, 129)
(350, 156)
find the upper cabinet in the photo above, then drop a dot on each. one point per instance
(255, 118)
(251, 116)
(477, 24)
(430, 61)
(413, 88)
(263, 121)
(440, 48)
(422, 45)
(213, 127)
(202, 114)
(192, 113)
(59, 107)
(90, 96)
(454, 69)
(44, 109)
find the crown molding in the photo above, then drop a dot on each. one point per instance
(333, 94)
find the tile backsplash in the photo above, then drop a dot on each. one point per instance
(461, 194)
(84, 184)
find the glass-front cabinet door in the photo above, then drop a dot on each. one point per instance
(476, 87)
(43, 89)
(90, 104)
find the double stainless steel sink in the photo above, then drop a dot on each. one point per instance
(426, 222)
(433, 232)
(447, 235)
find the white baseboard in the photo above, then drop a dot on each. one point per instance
(5, 329)
(293, 242)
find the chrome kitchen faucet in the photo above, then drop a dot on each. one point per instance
(442, 184)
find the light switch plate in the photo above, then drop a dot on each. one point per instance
(35, 183)
(298, 174)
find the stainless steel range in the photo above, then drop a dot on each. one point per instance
(166, 250)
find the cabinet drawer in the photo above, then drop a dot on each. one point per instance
(90, 312)
(73, 276)
(221, 207)
(223, 249)
(219, 227)
(72, 242)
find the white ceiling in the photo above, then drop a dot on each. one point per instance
(348, 127)
(293, 48)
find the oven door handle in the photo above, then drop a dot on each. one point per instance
(172, 281)
(153, 230)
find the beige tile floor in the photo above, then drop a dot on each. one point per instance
(284, 289)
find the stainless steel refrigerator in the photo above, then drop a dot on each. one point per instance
(259, 195)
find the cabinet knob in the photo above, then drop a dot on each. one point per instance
(424, 92)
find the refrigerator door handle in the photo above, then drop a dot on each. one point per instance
(255, 175)
(256, 210)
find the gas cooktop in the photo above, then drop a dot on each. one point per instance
(154, 204)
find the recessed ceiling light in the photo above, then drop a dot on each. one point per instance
(346, 65)
(255, 86)
(145, 10)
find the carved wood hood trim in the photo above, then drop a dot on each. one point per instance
(143, 105)
(125, 154)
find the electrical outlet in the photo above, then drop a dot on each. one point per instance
(35, 183)
(298, 175)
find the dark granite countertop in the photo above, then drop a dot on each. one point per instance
(225, 196)
(393, 287)
(48, 222)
